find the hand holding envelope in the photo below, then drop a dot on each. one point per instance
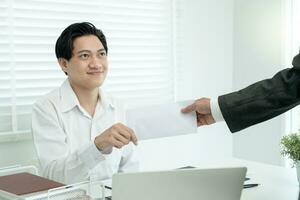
(164, 120)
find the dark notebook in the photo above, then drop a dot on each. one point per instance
(26, 183)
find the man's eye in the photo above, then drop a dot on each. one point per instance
(102, 54)
(84, 56)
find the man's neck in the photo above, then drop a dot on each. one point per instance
(87, 98)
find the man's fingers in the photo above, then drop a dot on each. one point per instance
(189, 108)
(198, 119)
(121, 138)
(210, 119)
(202, 121)
(117, 144)
(125, 130)
(128, 133)
(134, 139)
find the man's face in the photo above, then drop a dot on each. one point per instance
(87, 67)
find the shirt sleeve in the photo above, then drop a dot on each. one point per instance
(262, 100)
(57, 161)
(129, 161)
(215, 110)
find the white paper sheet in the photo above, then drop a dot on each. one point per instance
(164, 120)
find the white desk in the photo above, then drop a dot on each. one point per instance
(276, 183)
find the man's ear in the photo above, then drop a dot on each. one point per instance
(63, 64)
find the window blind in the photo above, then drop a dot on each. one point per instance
(139, 36)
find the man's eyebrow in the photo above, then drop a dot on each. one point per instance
(102, 49)
(88, 51)
(84, 51)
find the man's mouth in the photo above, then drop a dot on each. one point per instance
(95, 72)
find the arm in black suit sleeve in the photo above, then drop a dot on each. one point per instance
(262, 100)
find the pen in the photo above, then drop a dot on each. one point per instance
(107, 187)
(251, 185)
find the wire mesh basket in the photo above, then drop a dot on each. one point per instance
(88, 190)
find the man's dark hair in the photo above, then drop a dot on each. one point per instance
(64, 44)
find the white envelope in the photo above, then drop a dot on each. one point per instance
(164, 120)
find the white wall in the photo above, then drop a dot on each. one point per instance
(258, 48)
(204, 48)
(204, 68)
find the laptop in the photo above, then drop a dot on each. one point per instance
(191, 184)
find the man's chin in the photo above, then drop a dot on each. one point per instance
(96, 84)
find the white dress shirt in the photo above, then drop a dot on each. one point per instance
(215, 110)
(64, 136)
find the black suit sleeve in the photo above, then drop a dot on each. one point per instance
(262, 100)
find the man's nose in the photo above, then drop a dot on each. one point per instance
(95, 62)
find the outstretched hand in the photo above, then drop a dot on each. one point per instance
(117, 136)
(203, 111)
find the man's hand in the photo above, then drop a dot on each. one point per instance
(203, 111)
(117, 136)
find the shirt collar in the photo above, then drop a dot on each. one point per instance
(106, 100)
(69, 99)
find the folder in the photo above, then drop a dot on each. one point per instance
(26, 183)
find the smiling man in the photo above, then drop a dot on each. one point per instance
(76, 133)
